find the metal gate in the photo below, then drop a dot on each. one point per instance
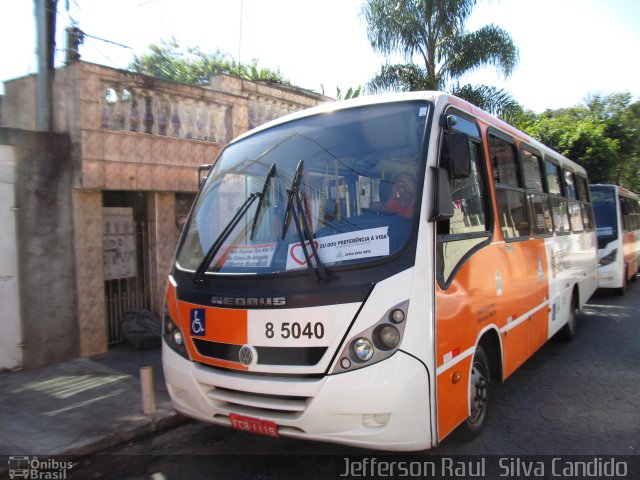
(127, 267)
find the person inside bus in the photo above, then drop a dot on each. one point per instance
(403, 195)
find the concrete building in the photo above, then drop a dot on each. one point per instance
(94, 209)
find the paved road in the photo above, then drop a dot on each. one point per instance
(577, 398)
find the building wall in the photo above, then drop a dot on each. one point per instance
(10, 328)
(46, 266)
(87, 219)
(162, 220)
(19, 103)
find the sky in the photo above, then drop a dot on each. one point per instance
(569, 49)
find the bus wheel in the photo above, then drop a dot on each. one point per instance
(479, 384)
(567, 332)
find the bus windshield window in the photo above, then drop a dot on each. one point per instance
(357, 187)
(604, 208)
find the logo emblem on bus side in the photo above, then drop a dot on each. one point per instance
(248, 355)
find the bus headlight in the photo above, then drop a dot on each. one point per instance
(379, 341)
(396, 315)
(173, 336)
(363, 349)
(388, 336)
(176, 336)
(609, 258)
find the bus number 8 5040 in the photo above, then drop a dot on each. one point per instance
(295, 330)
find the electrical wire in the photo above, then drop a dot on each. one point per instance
(106, 41)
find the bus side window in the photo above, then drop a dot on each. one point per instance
(635, 215)
(459, 236)
(558, 203)
(582, 190)
(627, 214)
(510, 194)
(575, 215)
(539, 201)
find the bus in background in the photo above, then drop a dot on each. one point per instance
(617, 212)
(362, 271)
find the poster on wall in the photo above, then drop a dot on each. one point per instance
(119, 243)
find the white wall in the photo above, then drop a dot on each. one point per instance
(10, 326)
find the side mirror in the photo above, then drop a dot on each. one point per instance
(203, 168)
(459, 155)
(442, 195)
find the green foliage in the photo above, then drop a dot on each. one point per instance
(603, 135)
(629, 166)
(490, 99)
(433, 31)
(193, 66)
(351, 93)
(401, 77)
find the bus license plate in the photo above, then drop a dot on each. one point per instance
(254, 425)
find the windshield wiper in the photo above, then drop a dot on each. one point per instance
(270, 175)
(296, 208)
(198, 276)
(295, 186)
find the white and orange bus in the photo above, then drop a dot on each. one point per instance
(360, 272)
(617, 214)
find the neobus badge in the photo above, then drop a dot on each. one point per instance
(249, 301)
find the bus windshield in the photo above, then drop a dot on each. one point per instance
(353, 174)
(604, 208)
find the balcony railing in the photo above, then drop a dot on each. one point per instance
(263, 110)
(151, 112)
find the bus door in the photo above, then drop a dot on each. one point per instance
(465, 287)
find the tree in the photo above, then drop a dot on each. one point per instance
(621, 120)
(433, 32)
(351, 93)
(602, 135)
(629, 167)
(169, 62)
(584, 141)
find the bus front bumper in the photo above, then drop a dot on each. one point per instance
(383, 406)
(610, 276)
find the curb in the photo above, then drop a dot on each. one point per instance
(158, 422)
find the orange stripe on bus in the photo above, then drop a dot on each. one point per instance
(453, 397)
(220, 363)
(170, 302)
(223, 325)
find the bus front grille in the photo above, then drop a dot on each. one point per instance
(275, 406)
(289, 356)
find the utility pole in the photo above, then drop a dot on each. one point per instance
(46, 40)
(240, 33)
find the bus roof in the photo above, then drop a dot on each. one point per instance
(440, 99)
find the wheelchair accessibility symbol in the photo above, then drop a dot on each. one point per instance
(198, 324)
